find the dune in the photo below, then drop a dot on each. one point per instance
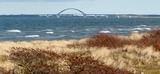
(128, 56)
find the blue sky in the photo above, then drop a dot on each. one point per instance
(87, 6)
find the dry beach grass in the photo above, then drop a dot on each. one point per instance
(100, 54)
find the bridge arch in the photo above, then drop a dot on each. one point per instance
(71, 9)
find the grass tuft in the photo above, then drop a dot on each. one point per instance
(3, 58)
(76, 44)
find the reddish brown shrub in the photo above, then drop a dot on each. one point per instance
(81, 64)
(153, 39)
(35, 61)
(111, 41)
(155, 33)
(106, 40)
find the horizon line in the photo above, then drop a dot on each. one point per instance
(86, 14)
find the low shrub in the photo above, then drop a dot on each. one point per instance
(34, 61)
(153, 39)
(83, 64)
(37, 61)
(106, 40)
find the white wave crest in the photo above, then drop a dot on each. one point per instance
(147, 28)
(50, 32)
(105, 32)
(72, 31)
(14, 30)
(87, 29)
(32, 36)
(135, 31)
(140, 29)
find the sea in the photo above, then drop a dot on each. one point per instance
(51, 27)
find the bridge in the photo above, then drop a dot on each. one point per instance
(83, 13)
(59, 14)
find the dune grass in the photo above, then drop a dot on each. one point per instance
(100, 54)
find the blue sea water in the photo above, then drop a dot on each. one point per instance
(20, 27)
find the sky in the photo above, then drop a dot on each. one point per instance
(87, 6)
